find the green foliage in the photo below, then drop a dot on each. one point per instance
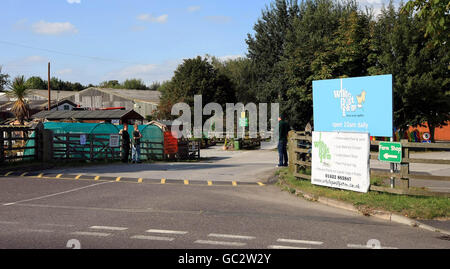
(135, 84)
(435, 14)
(36, 83)
(130, 84)
(196, 76)
(19, 91)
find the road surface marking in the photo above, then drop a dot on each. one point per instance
(165, 231)
(283, 247)
(37, 230)
(59, 176)
(186, 182)
(220, 243)
(234, 183)
(210, 183)
(78, 177)
(97, 178)
(91, 234)
(118, 179)
(24, 174)
(232, 236)
(261, 184)
(368, 247)
(163, 181)
(140, 180)
(157, 238)
(40, 175)
(9, 173)
(54, 194)
(299, 241)
(108, 228)
(9, 222)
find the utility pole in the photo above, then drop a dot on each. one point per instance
(48, 86)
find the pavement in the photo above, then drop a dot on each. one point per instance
(110, 208)
(50, 213)
(218, 165)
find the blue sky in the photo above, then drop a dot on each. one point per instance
(90, 41)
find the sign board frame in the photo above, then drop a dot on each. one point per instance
(360, 104)
(341, 160)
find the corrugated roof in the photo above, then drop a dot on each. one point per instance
(86, 114)
(136, 95)
(54, 94)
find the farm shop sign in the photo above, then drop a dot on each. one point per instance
(341, 160)
(362, 104)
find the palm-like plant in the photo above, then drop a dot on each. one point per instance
(19, 91)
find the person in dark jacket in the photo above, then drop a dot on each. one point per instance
(282, 142)
(125, 143)
(136, 149)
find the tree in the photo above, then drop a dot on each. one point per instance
(110, 84)
(435, 13)
(196, 76)
(20, 108)
(135, 84)
(420, 70)
(36, 83)
(4, 80)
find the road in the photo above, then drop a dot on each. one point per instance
(48, 213)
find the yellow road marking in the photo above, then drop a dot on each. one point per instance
(22, 175)
(97, 178)
(59, 175)
(78, 177)
(186, 182)
(163, 181)
(140, 180)
(9, 173)
(40, 175)
(234, 183)
(118, 179)
(210, 183)
(261, 184)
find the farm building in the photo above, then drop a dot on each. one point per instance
(142, 101)
(91, 116)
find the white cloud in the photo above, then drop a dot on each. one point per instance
(53, 28)
(74, 1)
(147, 72)
(193, 8)
(66, 71)
(150, 18)
(35, 59)
(231, 57)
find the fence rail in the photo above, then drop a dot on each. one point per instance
(13, 144)
(300, 156)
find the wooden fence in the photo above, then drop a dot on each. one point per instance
(13, 142)
(299, 150)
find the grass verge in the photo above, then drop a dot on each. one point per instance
(416, 207)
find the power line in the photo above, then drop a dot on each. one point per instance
(66, 53)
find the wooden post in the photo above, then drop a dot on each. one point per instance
(47, 145)
(2, 145)
(292, 156)
(404, 170)
(48, 87)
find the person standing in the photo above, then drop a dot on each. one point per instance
(136, 153)
(282, 142)
(125, 143)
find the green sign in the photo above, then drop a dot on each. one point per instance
(243, 122)
(390, 152)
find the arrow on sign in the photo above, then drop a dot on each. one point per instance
(388, 156)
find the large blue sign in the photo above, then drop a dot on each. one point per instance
(362, 104)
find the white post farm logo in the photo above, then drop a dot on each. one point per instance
(347, 100)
